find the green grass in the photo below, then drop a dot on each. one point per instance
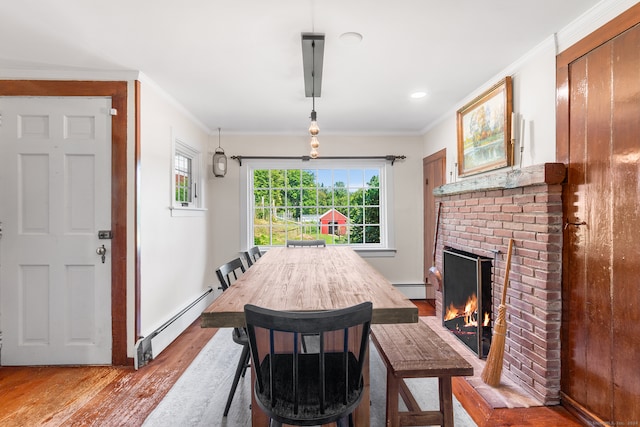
(283, 230)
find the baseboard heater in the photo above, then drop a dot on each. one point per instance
(149, 347)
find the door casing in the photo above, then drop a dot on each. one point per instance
(118, 91)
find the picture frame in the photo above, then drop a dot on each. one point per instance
(485, 137)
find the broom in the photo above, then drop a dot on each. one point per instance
(493, 369)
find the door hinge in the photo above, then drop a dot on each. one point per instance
(113, 111)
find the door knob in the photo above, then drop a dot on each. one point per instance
(102, 251)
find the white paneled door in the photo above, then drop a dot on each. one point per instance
(55, 196)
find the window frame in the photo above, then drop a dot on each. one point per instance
(180, 147)
(386, 247)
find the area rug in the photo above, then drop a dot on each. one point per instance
(199, 396)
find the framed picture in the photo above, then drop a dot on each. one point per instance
(484, 131)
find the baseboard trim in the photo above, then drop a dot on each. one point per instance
(580, 412)
(412, 290)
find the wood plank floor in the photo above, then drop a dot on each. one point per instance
(92, 395)
(116, 396)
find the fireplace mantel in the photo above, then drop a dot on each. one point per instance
(545, 173)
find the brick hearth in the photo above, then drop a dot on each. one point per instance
(480, 215)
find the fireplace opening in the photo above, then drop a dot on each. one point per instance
(467, 308)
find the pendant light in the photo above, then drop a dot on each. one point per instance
(314, 129)
(312, 56)
(219, 160)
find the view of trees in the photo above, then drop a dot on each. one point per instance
(182, 176)
(288, 204)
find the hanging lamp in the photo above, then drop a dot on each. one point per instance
(312, 54)
(314, 129)
(219, 160)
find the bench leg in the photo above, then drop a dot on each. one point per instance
(393, 418)
(446, 400)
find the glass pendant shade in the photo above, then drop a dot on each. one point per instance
(314, 153)
(314, 142)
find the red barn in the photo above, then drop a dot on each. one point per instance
(333, 222)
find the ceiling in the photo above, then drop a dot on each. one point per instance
(238, 64)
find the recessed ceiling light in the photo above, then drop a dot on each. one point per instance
(351, 37)
(418, 95)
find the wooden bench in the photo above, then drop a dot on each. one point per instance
(413, 350)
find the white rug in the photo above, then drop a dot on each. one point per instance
(199, 396)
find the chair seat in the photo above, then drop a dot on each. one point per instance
(308, 393)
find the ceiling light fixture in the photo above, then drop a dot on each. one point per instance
(312, 54)
(418, 95)
(351, 37)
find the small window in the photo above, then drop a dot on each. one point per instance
(186, 176)
(184, 179)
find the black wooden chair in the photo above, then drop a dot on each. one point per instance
(227, 274)
(303, 243)
(252, 255)
(314, 388)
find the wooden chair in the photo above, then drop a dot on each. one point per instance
(225, 273)
(303, 243)
(252, 255)
(314, 388)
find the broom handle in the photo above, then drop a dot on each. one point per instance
(506, 273)
(435, 233)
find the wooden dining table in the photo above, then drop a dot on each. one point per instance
(309, 279)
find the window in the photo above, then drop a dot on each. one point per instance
(186, 179)
(345, 203)
(183, 174)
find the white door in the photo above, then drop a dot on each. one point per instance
(55, 195)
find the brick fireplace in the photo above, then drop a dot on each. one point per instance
(480, 215)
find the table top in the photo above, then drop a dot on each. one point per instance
(307, 279)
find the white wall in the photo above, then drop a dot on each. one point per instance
(533, 104)
(174, 252)
(534, 92)
(405, 267)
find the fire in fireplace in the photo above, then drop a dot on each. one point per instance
(467, 299)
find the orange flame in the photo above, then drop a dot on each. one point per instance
(469, 312)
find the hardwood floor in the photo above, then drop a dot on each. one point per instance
(114, 396)
(95, 395)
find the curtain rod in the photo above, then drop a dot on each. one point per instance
(390, 157)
